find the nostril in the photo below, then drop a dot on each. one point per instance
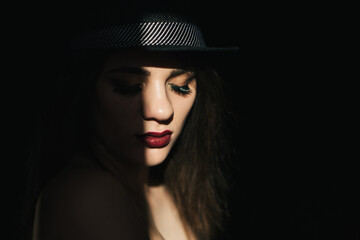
(167, 121)
(161, 120)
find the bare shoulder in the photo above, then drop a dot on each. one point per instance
(79, 182)
(86, 203)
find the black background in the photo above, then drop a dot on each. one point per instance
(295, 178)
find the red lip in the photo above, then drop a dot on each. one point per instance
(158, 134)
(156, 139)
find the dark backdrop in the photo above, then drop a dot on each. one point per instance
(295, 176)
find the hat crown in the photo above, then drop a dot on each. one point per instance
(147, 31)
(154, 31)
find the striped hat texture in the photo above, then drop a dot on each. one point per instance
(151, 32)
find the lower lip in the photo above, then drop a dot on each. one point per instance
(156, 142)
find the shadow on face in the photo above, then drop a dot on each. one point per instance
(141, 103)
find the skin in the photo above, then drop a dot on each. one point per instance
(92, 199)
(119, 117)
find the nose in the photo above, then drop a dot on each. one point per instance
(156, 103)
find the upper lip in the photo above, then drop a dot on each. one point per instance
(158, 134)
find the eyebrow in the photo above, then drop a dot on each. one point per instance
(178, 72)
(129, 70)
(143, 72)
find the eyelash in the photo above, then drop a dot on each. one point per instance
(135, 89)
(181, 90)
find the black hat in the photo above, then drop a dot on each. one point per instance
(149, 32)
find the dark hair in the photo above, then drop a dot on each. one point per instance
(195, 174)
(195, 170)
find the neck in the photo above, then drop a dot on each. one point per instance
(132, 175)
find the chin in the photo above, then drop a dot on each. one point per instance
(155, 156)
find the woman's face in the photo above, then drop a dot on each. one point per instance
(141, 104)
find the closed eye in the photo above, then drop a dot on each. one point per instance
(181, 90)
(128, 90)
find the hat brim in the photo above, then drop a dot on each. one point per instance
(189, 49)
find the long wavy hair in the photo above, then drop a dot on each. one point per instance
(196, 171)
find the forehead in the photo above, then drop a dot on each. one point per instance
(146, 59)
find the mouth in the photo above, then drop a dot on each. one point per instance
(156, 139)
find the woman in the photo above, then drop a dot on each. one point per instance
(134, 144)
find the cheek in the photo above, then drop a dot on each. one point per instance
(116, 119)
(182, 107)
(116, 112)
